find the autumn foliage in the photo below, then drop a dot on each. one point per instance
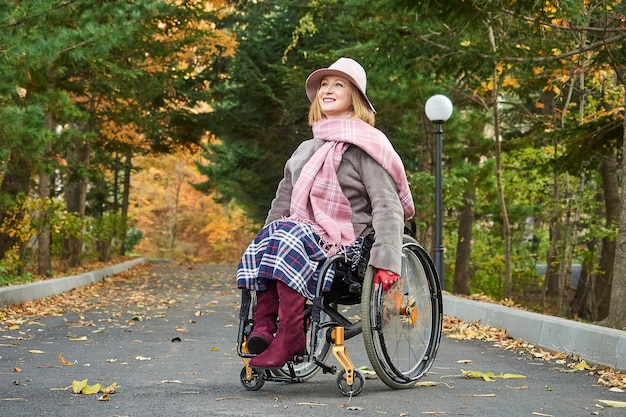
(177, 221)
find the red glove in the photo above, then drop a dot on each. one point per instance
(386, 278)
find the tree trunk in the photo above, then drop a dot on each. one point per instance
(610, 185)
(617, 305)
(463, 245)
(44, 261)
(128, 165)
(506, 226)
(78, 159)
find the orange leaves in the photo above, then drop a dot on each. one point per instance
(65, 362)
(192, 226)
(458, 329)
(609, 378)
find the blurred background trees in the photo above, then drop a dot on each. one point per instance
(163, 126)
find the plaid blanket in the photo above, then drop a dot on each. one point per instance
(288, 251)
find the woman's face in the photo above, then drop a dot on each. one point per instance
(335, 97)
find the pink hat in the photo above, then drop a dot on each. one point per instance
(343, 67)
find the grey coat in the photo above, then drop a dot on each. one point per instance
(372, 195)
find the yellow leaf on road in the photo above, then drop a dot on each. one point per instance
(511, 376)
(615, 404)
(487, 376)
(91, 389)
(77, 386)
(82, 387)
(490, 376)
(426, 384)
(35, 351)
(580, 366)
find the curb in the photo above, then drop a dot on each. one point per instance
(595, 344)
(18, 294)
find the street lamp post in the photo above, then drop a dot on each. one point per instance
(438, 109)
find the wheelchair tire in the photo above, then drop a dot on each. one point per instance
(255, 384)
(402, 327)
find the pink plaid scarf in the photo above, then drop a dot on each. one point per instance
(317, 197)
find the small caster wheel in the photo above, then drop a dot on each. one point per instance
(253, 384)
(355, 389)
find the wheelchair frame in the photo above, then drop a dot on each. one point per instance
(401, 327)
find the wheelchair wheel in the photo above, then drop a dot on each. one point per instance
(402, 327)
(350, 390)
(306, 370)
(253, 384)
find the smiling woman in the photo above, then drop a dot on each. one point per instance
(344, 74)
(335, 97)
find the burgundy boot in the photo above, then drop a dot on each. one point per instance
(290, 338)
(265, 314)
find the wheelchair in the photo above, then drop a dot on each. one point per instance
(401, 327)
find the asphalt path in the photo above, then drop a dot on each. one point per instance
(165, 336)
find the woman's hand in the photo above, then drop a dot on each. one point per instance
(385, 278)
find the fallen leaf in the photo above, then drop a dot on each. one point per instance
(104, 397)
(487, 376)
(215, 348)
(91, 389)
(110, 389)
(366, 371)
(312, 404)
(16, 369)
(580, 366)
(78, 386)
(511, 376)
(142, 358)
(426, 384)
(14, 327)
(614, 404)
(35, 351)
(63, 361)
(78, 339)
(490, 376)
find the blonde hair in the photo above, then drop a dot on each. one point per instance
(361, 110)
